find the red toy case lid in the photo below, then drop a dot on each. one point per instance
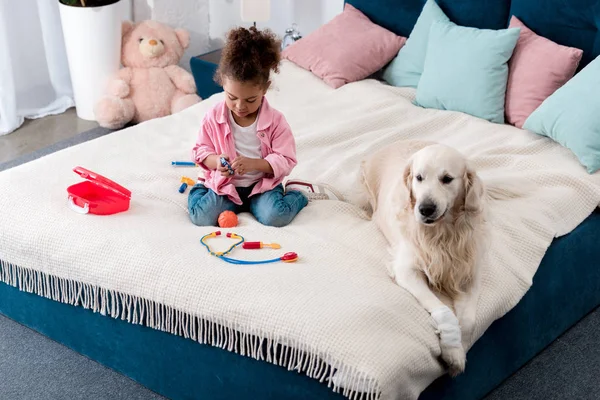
(102, 181)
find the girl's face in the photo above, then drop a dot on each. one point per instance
(243, 98)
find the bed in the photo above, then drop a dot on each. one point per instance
(137, 292)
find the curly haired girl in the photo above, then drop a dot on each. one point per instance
(253, 137)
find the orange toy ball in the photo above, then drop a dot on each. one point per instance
(228, 219)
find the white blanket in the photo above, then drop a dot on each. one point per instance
(336, 305)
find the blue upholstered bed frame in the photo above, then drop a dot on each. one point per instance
(565, 288)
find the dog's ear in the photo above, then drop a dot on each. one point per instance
(474, 191)
(407, 178)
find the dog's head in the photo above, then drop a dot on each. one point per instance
(441, 183)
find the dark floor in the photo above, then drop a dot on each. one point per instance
(36, 134)
(569, 369)
(37, 368)
(33, 367)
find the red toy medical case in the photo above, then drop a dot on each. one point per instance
(97, 195)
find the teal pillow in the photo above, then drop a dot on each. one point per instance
(571, 116)
(406, 68)
(466, 70)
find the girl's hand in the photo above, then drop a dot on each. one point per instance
(224, 171)
(242, 165)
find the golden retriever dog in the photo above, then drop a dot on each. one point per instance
(430, 205)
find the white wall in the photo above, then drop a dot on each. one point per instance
(191, 15)
(225, 14)
(127, 9)
(311, 14)
(331, 8)
(307, 14)
(209, 20)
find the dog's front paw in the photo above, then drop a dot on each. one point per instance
(453, 352)
(455, 358)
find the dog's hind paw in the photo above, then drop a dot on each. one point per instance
(455, 358)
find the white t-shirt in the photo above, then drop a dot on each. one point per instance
(246, 144)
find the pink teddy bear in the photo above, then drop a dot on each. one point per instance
(151, 84)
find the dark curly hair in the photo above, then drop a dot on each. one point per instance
(249, 56)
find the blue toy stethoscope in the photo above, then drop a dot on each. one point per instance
(287, 257)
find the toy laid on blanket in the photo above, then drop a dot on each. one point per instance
(260, 245)
(185, 182)
(183, 164)
(287, 257)
(227, 219)
(97, 194)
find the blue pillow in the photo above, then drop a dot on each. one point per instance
(466, 70)
(406, 68)
(571, 116)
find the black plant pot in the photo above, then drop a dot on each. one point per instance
(88, 3)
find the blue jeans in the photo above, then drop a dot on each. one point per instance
(272, 208)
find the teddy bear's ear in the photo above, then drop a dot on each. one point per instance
(183, 36)
(126, 26)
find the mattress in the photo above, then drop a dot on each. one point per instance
(48, 250)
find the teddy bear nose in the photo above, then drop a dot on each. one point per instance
(152, 42)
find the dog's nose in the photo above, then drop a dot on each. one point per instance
(427, 209)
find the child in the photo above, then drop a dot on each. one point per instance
(252, 136)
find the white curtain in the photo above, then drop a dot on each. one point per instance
(34, 73)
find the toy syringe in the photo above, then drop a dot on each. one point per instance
(183, 164)
(259, 245)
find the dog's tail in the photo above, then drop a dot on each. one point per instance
(360, 194)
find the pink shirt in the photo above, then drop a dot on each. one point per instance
(277, 146)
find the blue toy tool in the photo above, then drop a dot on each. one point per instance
(287, 257)
(227, 165)
(183, 164)
(185, 182)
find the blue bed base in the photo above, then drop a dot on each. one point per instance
(565, 288)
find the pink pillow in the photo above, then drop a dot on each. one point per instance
(347, 49)
(536, 69)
